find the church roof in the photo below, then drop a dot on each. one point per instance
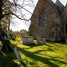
(54, 7)
(66, 5)
(59, 6)
(58, 3)
(65, 11)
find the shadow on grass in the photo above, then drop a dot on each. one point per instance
(63, 43)
(32, 45)
(37, 52)
(7, 60)
(38, 58)
(52, 58)
(44, 60)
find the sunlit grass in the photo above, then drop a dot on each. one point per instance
(48, 55)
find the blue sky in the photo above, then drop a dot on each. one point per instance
(62, 1)
(23, 25)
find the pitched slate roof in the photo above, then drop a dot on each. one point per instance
(55, 6)
(59, 6)
(58, 3)
(65, 11)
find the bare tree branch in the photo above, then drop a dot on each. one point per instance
(11, 13)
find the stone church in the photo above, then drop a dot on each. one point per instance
(49, 20)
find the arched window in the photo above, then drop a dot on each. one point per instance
(42, 21)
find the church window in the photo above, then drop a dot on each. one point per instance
(42, 21)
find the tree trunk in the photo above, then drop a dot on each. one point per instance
(1, 5)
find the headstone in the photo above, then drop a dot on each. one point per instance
(43, 41)
(52, 39)
(28, 40)
(66, 41)
(19, 57)
(0, 46)
(39, 40)
(17, 54)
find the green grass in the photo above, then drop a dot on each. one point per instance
(49, 55)
(9, 60)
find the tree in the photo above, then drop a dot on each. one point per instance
(10, 9)
(16, 8)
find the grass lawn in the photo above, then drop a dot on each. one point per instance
(49, 55)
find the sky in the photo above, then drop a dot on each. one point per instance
(62, 1)
(22, 25)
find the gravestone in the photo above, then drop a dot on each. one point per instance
(28, 40)
(0, 46)
(43, 41)
(52, 39)
(66, 41)
(19, 57)
(39, 40)
(17, 54)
